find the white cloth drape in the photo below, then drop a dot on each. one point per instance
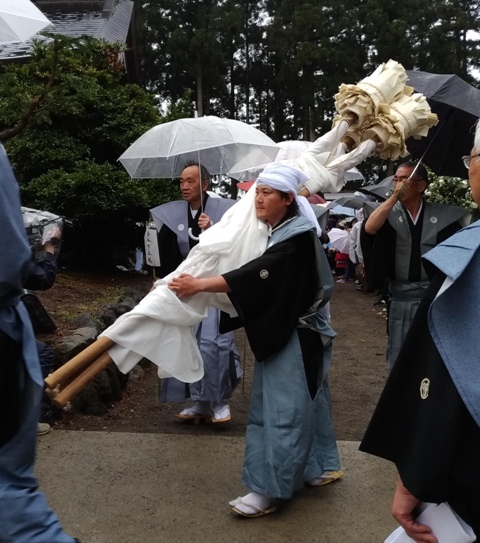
(326, 160)
(160, 327)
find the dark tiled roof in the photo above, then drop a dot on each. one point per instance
(105, 19)
(116, 27)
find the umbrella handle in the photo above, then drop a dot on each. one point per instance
(190, 235)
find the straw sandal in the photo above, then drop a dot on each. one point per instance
(327, 478)
(195, 412)
(221, 414)
(256, 510)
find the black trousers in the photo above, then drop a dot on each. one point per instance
(11, 370)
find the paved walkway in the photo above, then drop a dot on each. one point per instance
(155, 488)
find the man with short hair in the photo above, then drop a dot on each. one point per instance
(179, 224)
(279, 297)
(394, 238)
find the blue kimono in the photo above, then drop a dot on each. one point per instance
(278, 297)
(24, 514)
(427, 420)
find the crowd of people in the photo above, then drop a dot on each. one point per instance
(428, 417)
(346, 257)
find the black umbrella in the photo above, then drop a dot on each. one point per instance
(379, 190)
(457, 105)
(354, 202)
(321, 213)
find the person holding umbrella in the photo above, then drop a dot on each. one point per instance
(179, 224)
(427, 420)
(279, 296)
(393, 239)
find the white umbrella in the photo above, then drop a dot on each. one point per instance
(19, 20)
(35, 217)
(289, 150)
(339, 239)
(220, 145)
(42, 226)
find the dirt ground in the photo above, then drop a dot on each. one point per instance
(357, 373)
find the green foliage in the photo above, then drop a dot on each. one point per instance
(278, 63)
(89, 112)
(180, 109)
(35, 151)
(94, 192)
(453, 191)
(90, 192)
(107, 208)
(66, 157)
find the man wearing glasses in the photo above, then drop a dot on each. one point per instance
(467, 159)
(394, 238)
(427, 420)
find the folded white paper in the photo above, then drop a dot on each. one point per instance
(447, 526)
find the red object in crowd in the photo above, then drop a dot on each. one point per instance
(316, 199)
(245, 185)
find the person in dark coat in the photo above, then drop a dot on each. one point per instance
(278, 297)
(24, 512)
(41, 275)
(395, 236)
(427, 420)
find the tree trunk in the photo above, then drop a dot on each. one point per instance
(199, 93)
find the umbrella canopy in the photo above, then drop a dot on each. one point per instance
(342, 210)
(220, 145)
(35, 217)
(353, 202)
(19, 20)
(316, 199)
(457, 105)
(321, 213)
(289, 150)
(379, 190)
(339, 239)
(354, 174)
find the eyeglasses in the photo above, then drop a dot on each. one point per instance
(402, 178)
(467, 159)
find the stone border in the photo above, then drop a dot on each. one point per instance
(108, 386)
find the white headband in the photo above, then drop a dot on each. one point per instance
(286, 178)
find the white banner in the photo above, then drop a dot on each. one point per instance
(152, 255)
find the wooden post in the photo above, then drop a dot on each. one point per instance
(80, 382)
(78, 363)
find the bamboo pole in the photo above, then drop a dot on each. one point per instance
(78, 363)
(82, 380)
(244, 361)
